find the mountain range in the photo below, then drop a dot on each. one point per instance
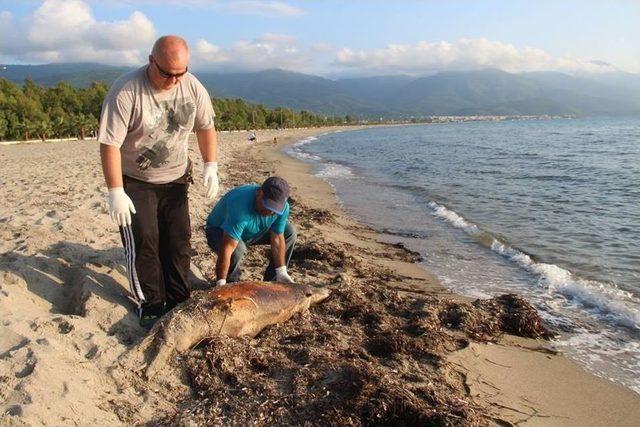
(481, 92)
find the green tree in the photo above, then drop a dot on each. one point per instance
(84, 124)
(42, 127)
(4, 125)
(64, 110)
(32, 91)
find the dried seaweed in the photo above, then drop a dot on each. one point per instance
(305, 253)
(490, 318)
(341, 363)
(317, 216)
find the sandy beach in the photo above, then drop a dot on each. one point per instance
(391, 345)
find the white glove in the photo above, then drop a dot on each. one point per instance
(282, 276)
(120, 206)
(210, 178)
(221, 282)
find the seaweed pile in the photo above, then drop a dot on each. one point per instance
(366, 356)
(487, 320)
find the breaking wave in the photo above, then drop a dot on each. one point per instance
(606, 299)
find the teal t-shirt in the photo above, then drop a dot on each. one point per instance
(236, 214)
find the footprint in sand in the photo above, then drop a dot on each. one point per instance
(64, 327)
(93, 351)
(11, 342)
(13, 410)
(29, 365)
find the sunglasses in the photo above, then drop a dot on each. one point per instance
(167, 75)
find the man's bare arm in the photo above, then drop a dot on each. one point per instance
(224, 256)
(207, 143)
(277, 249)
(111, 165)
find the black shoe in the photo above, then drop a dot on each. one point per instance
(150, 314)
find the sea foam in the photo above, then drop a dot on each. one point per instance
(295, 150)
(305, 141)
(333, 170)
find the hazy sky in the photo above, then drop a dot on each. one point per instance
(330, 37)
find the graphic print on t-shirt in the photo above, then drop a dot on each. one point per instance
(165, 129)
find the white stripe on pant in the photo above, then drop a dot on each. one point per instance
(130, 255)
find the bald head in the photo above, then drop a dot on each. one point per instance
(168, 62)
(171, 49)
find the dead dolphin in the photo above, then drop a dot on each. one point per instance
(238, 309)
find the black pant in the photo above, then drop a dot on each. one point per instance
(214, 239)
(157, 244)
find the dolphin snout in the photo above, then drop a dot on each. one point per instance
(317, 294)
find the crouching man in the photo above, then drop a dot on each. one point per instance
(252, 215)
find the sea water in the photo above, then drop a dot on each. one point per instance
(548, 209)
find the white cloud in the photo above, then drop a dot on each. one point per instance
(267, 51)
(465, 54)
(204, 48)
(66, 31)
(239, 7)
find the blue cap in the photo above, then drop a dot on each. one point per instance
(275, 192)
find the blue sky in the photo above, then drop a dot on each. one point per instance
(332, 37)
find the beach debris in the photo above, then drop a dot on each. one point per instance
(487, 319)
(312, 254)
(352, 361)
(307, 216)
(271, 388)
(238, 309)
(369, 355)
(319, 216)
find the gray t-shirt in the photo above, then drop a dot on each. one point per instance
(152, 127)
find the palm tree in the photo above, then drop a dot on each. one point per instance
(27, 128)
(59, 126)
(43, 128)
(85, 123)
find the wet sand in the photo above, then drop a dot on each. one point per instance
(391, 341)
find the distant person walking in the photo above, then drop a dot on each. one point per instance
(145, 123)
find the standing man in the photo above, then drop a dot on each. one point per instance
(252, 215)
(146, 120)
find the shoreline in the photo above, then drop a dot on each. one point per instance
(299, 175)
(68, 321)
(500, 377)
